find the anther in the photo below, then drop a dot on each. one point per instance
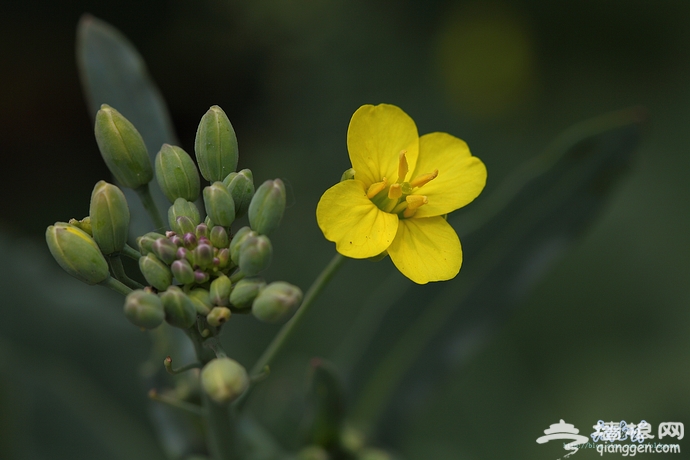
(423, 179)
(395, 191)
(414, 202)
(376, 188)
(402, 166)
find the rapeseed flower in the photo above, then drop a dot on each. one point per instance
(403, 187)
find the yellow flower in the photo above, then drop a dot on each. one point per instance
(402, 188)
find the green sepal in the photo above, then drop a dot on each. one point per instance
(219, 204)
(77, 253)
(176, 174)
(224, 380)
(256, 253)
(144, 309)
(157, 274)
(216, 145)
(165, 250)
(267, 207)
(241, 187)
(276, 302)
(123, 149)
(179, 309)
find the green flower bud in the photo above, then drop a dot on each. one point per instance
(144, 309)
(145, 242)
(218, 316)
(219, 204)
(256, 253)
(202, 230)
(216, 145)
(109, 217)
(313, 453)
(182, 271)
(220, 290)
(209, 223)
(203, 256)
(176, 174)
(223, 258)
(202, 301)
(241, 187)
(245, 291)
(179, 309)
(325, 412)
(276, 302)
(267, 207)
(122, 148)
(165, 250)
(157, 274)
(347, 175)
(84, 224)
(184, 225)
(237, 240)
(219, 237)
(180, 208)
(224, 380)
(77, 253)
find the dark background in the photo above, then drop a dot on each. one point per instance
(604, 335)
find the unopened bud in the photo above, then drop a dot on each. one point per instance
(179, 309)
(182, 271)
(122, 148)
(202, 301)
(109, 217)
(220, 290)
(84, 224)
(218, 316)
(237, 240)
(184, 226)
(245, 291)
(203, 256)
(216, 145)
(176, 174)
(146, 241)
(267, 207)
(241, 187)
(256, 253)
(157, 274)
(165, 250)
(179, 208)
(202, 231)
(77, 253)
(219, 237)
(220, 207)
(144, 309)
(224, 380)
(276, 302)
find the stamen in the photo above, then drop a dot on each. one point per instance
(424, 179)
(395, 191)
(402, 166)
(414, 202)
(376, 188)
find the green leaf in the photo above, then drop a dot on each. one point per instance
(509, 240)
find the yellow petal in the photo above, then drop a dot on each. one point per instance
(426, 250)
(376, 136)
(349, 219)
(461, 177)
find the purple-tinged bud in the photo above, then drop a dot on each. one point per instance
(165, 250)
(169, 233)
(176, 240)
(219, 237)
(202, 230)
(201, 276)
(203, 256)
(157, 274)
(181, 253)
(183, 272)
(144, 309)
(204, 240)
(179, 309)
(190, 241)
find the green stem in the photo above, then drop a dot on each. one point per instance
(119, 272)
(167, 362)
(289, 328)
(147, 200)
(176, 403)
(129, 251)
(221, 433)
(115, 285)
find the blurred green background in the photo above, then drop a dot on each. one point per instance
(602, 335)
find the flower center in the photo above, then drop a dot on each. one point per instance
(400, 197)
